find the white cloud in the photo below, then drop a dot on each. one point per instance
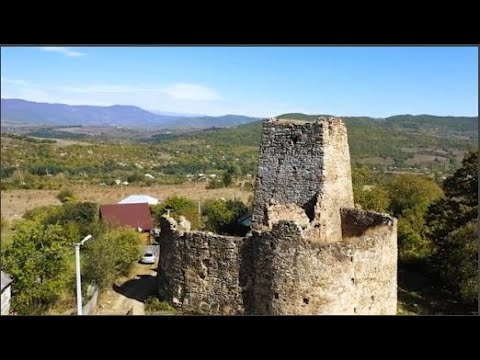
(14, 82)
(177, 98)
(192, 92)
(63, 50)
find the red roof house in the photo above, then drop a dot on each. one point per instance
(135, 215)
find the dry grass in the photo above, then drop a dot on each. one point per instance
(418, 159)
(16, 202)
(377, 161)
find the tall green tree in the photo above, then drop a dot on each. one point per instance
(452, 226)
(111, 254)
(38, 260)
(411, 195)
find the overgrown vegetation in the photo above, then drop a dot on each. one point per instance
(153, 305)
(222, 217)
(178, 206)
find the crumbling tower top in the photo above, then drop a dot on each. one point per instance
(306, 163)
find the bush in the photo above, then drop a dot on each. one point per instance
(66, 196)
(222, 217)
(215, 184)
(178, 206)
(153, 304)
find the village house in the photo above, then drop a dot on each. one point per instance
(134, 215)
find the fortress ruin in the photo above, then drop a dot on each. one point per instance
(309, 251)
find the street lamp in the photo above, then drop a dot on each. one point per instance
(77, 266)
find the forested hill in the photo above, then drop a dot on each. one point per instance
(401, 141)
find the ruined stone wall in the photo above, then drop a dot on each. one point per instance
(280, 272)
(298, 277)
(199, 271)
(375, 261)
(307, 164)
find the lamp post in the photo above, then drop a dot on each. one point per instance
(77, 266)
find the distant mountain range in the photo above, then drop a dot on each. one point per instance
(18, 111)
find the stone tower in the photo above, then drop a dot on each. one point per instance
(306, 164)
(309, 252)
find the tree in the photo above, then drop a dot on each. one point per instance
(367, 192)
(227, 179)
(452, 226)
(83, 214)
(38, 260)
(178, 206)
(111, 254)
(410, 197)
(409, 191)
(222, 216)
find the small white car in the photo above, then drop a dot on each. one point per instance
(148, 258)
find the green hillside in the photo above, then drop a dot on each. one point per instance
(397, 142)
(401, 143)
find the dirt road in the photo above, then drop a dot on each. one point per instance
(128, 295)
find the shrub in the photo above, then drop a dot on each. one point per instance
(153, 304)
(178, 206)
(215, 184)
(66, 196)
(222, 216)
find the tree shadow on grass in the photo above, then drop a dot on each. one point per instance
(140, 288)
(416, 296)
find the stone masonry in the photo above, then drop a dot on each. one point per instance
(309, 251)
(307, 164)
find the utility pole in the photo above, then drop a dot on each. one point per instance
(78, 274)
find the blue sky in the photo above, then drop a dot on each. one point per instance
(256, 81)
